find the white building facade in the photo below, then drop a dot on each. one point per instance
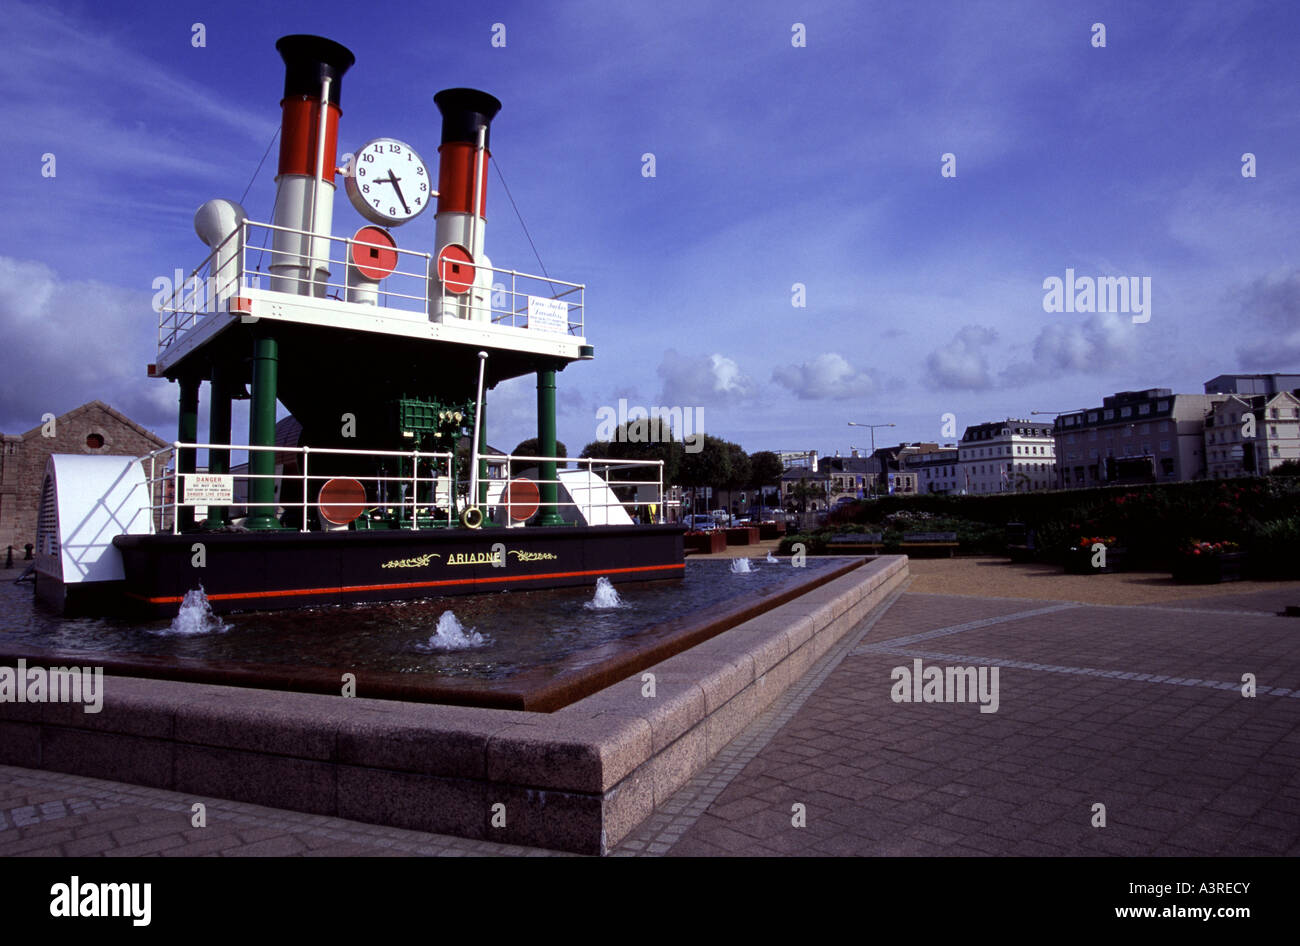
(1012, 455)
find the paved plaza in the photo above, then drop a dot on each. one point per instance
(1122, 691)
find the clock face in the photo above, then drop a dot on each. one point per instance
(388, 183)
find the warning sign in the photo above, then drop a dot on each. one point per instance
(215, 488)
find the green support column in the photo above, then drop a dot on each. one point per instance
(482, 453)
(219, 432)
(261, 432)
(187, 431)
(546, 514)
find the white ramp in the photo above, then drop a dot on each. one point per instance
(595, 501)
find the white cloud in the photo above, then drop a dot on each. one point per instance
(1270, 314)
(827, 377)
(68, 342)
(962, 364)
(1100, 343)
(691, 380)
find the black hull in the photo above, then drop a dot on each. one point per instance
(262, 571)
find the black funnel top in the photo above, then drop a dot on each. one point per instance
(308, 60)
(464, 112)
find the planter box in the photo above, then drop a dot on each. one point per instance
(771, 530)
(704, 542)
(1209, 569)
(742, 535)
(1078, 561)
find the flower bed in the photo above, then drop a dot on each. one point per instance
(741, 535)
(1208, 563)
(771, 530)
(1079, 558)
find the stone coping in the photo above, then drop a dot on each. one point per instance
(578, 779)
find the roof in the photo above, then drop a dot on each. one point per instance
(115, 414)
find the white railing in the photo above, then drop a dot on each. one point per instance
(394, 497)
(248, 258)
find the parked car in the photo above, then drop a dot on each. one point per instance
(703, 523)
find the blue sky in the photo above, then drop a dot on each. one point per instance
(775, 165)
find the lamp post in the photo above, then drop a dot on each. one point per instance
(873, 427)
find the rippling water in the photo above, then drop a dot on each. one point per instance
(520, 630)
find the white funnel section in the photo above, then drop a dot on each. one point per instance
(300, 262)
(219, 224)
(475, 305)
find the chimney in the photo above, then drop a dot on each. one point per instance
(460, 288)
(304, 197)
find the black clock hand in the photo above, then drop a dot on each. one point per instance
(393, 179)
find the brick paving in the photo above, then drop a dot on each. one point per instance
(1138, 708)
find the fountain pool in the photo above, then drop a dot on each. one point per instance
(521, 650)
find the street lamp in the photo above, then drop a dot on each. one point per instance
(873, 427)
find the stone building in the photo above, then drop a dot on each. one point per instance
(93, 428)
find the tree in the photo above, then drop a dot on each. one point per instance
(765, 469)
(709, 466)
(528, 448)
(803, 491)
(1286, 468)
(653, 441)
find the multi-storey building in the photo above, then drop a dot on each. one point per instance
(1268, 384)
(1006, 456)
(1249, 435)
(936, 471)
(1134, 437)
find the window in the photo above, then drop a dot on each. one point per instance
(1092, 454)
(1126, 412)
(1275, 450)
(1272, 431)
(1162, 406)
(1092, 435)
(1145, 429)
(1164, 426)
(1144, 409)
(94, 441)
(1164, 446)
(1274, 413)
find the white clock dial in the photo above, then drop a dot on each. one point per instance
(388, 183)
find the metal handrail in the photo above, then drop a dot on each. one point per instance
(170, 475)
(187, 305)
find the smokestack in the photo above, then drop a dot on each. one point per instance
(304, 198)
(463, 159)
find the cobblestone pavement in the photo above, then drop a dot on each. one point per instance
(1138, 708)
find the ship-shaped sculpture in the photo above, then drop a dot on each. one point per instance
(386, 357)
